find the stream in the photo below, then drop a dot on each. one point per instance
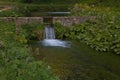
(78, 61)
(74, 60)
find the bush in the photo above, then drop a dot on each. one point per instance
(61, 31)
(33, 31)
(16, 60)
(102, 34)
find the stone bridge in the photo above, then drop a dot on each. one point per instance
(66, 21)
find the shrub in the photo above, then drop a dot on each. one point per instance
(61, 31)
(16, 60)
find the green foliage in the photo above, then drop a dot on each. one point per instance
(7, 13)
(30, 31)
(101, 34)
(93, 10)
(19, 10)
(44, 1)
(16, 62)
(60, 31)
(82, 7)
(22, 10)
(19, 70)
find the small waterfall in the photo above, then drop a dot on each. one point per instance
(49, 32)
(50, 38)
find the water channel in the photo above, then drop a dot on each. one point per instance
(78, 62)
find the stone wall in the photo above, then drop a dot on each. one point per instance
(66, 21)
(22, 20)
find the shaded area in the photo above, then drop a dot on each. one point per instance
(79, 62)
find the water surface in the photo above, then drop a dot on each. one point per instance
(78, 62)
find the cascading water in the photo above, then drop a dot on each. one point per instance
(50, 38)
(49, 32)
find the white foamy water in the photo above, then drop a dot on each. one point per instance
(56, 42)
(50, 38)
(49, 32)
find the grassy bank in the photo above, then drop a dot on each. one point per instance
(16, 60)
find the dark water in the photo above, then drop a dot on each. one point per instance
(78, 62)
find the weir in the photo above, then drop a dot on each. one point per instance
(49, 30)
(50, 39)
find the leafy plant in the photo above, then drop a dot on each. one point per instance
(60, 31)
(32, 31)
(16, 60)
